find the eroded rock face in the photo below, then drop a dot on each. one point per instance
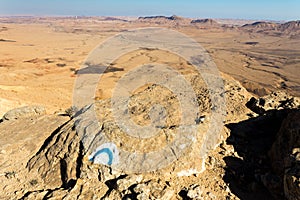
(19, 141)
(58, 160)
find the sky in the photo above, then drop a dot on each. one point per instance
(232, 9)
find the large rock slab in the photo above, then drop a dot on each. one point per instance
(24, 112)
(19, 141)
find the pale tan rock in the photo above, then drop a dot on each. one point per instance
(195, 192)
(58, 160)
(24, 112)
(19, 140)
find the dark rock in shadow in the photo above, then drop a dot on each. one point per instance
(97, 69)
(250, 175)
(251, 43)
(60, 64)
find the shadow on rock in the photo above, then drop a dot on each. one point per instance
(97, 69)
(251, 174)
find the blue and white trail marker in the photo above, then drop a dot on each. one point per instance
(106, 154)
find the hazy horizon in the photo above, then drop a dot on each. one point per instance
(232, 9)
(122, 16)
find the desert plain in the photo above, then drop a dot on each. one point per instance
(39, 56)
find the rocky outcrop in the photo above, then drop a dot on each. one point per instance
(20, 139)
(274, 101)
(267, 143)
(86, 157)
(59, 159)
(71, 157)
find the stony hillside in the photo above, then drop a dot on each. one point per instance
(256, 154)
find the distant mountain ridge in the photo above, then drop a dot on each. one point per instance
(204, 21)
(291, 25)
(291, 28)
(170, 21)
(177, 20)
(259, 26)
(173, 17)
